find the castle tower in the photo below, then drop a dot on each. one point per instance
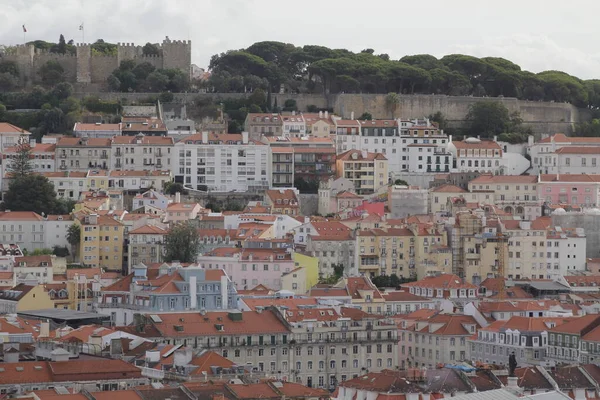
(84, 63)
(24, 59)
(177, 54)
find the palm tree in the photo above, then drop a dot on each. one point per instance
(74, 237)
(392, 100)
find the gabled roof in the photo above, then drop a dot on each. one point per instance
(351, 154)
(357, 284)
(148, 230)
(442, 281)
(5, 127)
(387, 381)
(579, 325)
(448, 188)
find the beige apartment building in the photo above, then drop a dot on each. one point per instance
(317, 347)
(409, 252)
(477, 242)
(435, 339)
(515, 194)
(526, 248)
(367, 171)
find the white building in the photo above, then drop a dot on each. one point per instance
(151, 198)
(473, 154)
(293, 125)
(141, 152)
(565, 251)
(11, 135)
(42, 156)
(32, 231)
(223, 163)
(97, 130)
(561, 154)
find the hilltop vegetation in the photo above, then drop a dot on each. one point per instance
(318, 69)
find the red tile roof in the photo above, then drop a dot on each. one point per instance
(5, 127)
(350, 154)
(442, 281)
(448, 188)
(251, 323)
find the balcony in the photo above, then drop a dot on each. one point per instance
(120, 305)
(63, 167)
(63, 155)
(104, 156)
(472, 256)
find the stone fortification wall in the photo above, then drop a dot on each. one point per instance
(541, 117)
(87, 69)
(67, 61)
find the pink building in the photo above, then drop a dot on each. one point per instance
(576, 189)
(248, 268)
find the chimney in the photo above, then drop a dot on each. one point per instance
(96, 341)
(320, 114)
(204, 137)
(11, 353)
(193, 297)
(44, 329)
(225, 292)
(326, 114)
(352, 115)
(32, 143)
(364, 154)
(449, 138)
(182, 357)
(177, 197)
(244, 137)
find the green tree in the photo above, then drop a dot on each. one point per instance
(157, 82)
(392, 101)
(366, 116)
(166, 97)
(182, 243)
(290, 105)
(62, 45)
(10, 67)
(52, 73)
(8, 81)
(60, 251)
(488, 118)
(174, 187)
(142, 70)
(150, 49)
(114, 84)
(400, 182)
(74, 237)
(21, 166)
(62, 91)
(41, 252)
(30, 193)
(440, 119)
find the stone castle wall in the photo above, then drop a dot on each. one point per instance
(88, 69)
(541, 117)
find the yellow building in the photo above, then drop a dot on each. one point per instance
(101, 242)
(23, 298)
(304, 276)
(412, 251)
(479, 246)
(97, 179)
(367, 171)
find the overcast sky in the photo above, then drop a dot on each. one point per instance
(538, 35)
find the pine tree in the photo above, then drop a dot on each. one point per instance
(62, 45)
(21, 165)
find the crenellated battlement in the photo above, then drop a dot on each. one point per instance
(87, 66)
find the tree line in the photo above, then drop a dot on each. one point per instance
(318, 69)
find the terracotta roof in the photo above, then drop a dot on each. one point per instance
(83, 142)
(582, 178)
(379, 123)
(81, 127)
(146, 140)
(562, 138)
(401, 295)
(482, 144)
(579, 325)
(529, 378)
(148, 230)
(492, 179)
(292, 303)
(349, 156)
(38, 148)
(442, 281)
(16, 293)
(5, 127)
(527, 324)
(34, 261)
(578, 150)
(448, 188)
(20, 216)
(207, 360)
(386, 381)
(357, 284)
(571, 377)
(282, 195)
(251, 323)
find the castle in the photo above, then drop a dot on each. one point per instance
(90, 71)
